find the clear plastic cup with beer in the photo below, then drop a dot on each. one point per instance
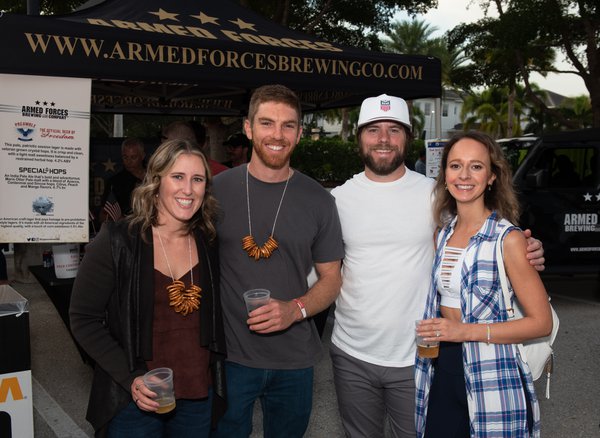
(426, 349)
(160, 381)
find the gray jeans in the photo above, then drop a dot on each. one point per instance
(368, 394)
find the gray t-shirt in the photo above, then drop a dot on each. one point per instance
(307, 231)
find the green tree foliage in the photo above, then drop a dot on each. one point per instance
(496, 48)
(572, 28)
(415, 37)
(488, 111)
(327, 159)
(580, 109)
(576, 109)
(352, 22)
(525, 38)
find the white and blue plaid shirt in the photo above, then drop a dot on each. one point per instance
(495, 392)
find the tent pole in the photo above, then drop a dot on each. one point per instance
(118, 125)
(33, 7)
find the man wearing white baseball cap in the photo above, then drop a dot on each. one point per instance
(388, 226)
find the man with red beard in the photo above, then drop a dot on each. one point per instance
(387, 224)
(275, 224)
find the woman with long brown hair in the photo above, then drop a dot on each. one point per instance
(479, 385)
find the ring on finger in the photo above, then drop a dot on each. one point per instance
(437, 334)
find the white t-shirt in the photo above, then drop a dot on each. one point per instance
(388, 238)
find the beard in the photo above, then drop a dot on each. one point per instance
(382, 167)
(274, 162)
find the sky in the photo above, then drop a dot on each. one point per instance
(450, 13)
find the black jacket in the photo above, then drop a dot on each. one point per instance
(112, 307)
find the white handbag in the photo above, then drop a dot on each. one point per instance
(538, 353)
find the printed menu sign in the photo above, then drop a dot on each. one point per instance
(44, 158)
(433, 156)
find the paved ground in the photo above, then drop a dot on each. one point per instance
(61, 379)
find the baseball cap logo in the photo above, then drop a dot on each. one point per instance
(385, 105)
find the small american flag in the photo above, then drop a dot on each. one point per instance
(112, 208)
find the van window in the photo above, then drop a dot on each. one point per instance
(567, 167)
(516, 149)
(515, 155)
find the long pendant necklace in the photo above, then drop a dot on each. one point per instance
(183, 300)
(248, 243)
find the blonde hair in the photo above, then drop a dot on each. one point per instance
(501, 197)
(143, 199)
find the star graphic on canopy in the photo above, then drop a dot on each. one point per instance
(587, 197)
(109, 165)
(598, 197)
(243, 25)
(206, 18)
(164, 15)
(37, 102)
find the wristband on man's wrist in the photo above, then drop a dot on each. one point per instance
(302, 308)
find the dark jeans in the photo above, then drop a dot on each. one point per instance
(285, 397)
(189, 419)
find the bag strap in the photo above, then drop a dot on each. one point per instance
(502, 274)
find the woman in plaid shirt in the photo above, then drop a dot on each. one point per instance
(479, 386)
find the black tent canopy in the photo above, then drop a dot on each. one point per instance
(201, 57)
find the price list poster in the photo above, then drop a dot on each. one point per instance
(44, 158)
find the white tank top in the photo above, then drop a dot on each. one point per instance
(448, 276)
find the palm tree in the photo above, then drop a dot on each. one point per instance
(415, 37)
(578, 109)
(489, 111)
(410, 38)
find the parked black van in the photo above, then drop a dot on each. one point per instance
(558, 181)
